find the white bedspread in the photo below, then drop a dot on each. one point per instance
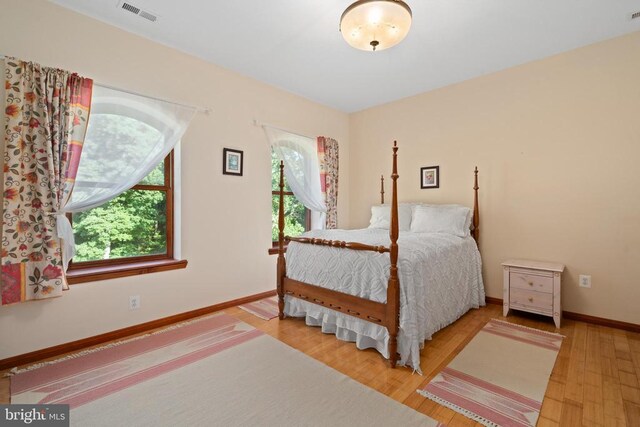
(440, 280)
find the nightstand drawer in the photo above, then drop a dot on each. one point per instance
(532, 282)
(537, 300)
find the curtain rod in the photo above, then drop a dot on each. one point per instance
(205, 110)
(264, 125)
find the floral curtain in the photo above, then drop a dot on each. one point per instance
(46, 115)
(328, 157)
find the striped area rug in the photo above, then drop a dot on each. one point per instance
(500, 377)
(266, 309)
(215, 371)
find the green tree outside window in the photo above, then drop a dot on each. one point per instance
(296, 219)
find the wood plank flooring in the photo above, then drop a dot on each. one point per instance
(595, 381)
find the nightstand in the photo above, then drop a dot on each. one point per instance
(533, 286)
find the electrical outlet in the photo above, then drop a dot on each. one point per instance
(585, 281)
(134, 302)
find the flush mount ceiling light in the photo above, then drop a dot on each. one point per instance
(375, 24)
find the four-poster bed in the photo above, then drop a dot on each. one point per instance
(384, 313)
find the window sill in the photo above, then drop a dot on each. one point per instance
(93, 274)
(274, 251)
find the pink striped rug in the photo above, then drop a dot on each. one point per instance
(212, 371)
(81, 379)
(500, 377)
(266, 309)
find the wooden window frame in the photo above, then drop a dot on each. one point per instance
(307, 220)
(86, 271)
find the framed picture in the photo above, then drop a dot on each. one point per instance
(232, 162)
(430, 177)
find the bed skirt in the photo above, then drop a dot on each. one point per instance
(346, 328)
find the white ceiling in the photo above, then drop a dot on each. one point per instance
(296, 45)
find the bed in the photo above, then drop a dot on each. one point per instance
(383, 289)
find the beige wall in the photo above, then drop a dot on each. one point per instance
(557, 143)
(226, 221)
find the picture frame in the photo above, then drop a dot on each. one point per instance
(232, 162)
(430, 177)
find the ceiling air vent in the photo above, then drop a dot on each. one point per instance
(635, 15)
(137, 11)
(130, 8)
(147, 15)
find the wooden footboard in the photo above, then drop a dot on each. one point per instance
(362, 308)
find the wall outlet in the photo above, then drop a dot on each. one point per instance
(585, 281)
(134, 302)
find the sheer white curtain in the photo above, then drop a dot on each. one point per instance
(301, 169)
(127, 137)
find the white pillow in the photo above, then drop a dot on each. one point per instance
(467, 225)
(450, 219)
(381, 217)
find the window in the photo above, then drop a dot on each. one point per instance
(138, 224)
(133, 232)
(130, 234)
(297, 217)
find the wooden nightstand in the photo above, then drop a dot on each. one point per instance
(533, 286)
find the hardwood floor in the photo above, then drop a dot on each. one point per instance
(595, 381)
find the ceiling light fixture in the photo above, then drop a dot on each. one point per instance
(375, 24)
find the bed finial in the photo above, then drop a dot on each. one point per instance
(382, 189)
(476, 212)
(282, 269)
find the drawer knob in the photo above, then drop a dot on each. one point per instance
(530, 299)
(530, 283)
